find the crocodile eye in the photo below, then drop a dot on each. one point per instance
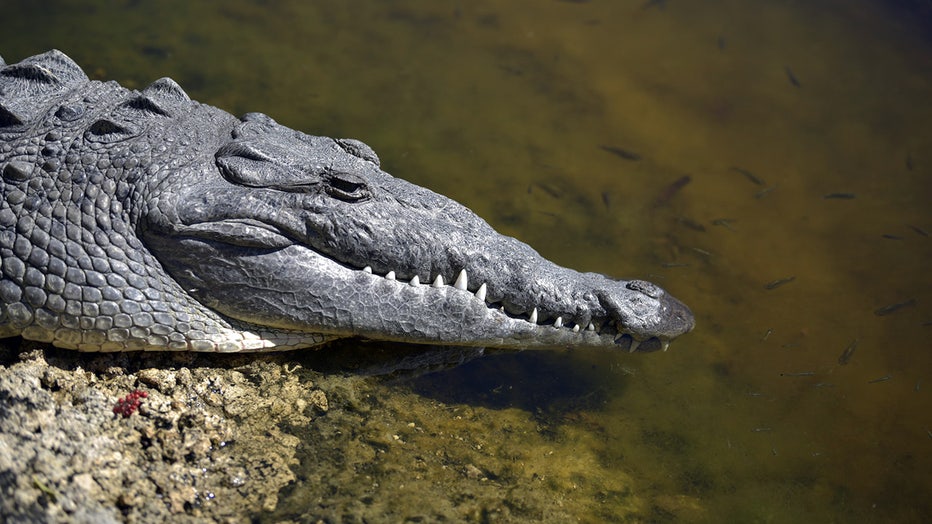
(347, 187)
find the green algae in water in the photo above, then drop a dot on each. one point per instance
(507, 109)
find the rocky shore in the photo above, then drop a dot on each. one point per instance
(272, 438)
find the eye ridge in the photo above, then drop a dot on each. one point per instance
(243, 150)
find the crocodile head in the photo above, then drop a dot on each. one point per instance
(297, 232)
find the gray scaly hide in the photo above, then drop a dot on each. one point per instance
(143, 220)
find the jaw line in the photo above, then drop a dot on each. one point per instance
(333, 298)
(423, 313)
(498, 327)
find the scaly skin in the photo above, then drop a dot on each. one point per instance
(147, 221)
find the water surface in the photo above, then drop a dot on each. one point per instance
(804, 131)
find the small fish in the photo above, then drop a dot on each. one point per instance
(671, 190)
(764, 192)
(919, 230)
(891, 237)
(886, 310)
(606, 199)
(824, 385)
(761, 430)
(690, 223)
(848, 352)
(774, 284)
(621, 153)
(909, 161)
(791, 77)
(918, 382)
(547, 188)
(839, 196)
(767, 335)
(747, 174)
(702, 252)
(724, 222)
(674, 264)
(881, 379)
(799, 374)
(721, 43)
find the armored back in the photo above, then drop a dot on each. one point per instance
(29, 87)
(76, 159)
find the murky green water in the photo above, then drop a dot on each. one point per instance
(805, 129)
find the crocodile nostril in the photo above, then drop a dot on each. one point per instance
(648, 288)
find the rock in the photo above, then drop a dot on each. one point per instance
(65, 455)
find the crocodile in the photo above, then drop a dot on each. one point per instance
(144, 220)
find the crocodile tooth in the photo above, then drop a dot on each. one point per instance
(666, 345)
(438, 282)
(461, 280)
(558, 323)
(390, 275)
(576, 328)
(415, 280)
(533, 318)
(367, 269)
(480, 293)
(590, 327)
(634, 345)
